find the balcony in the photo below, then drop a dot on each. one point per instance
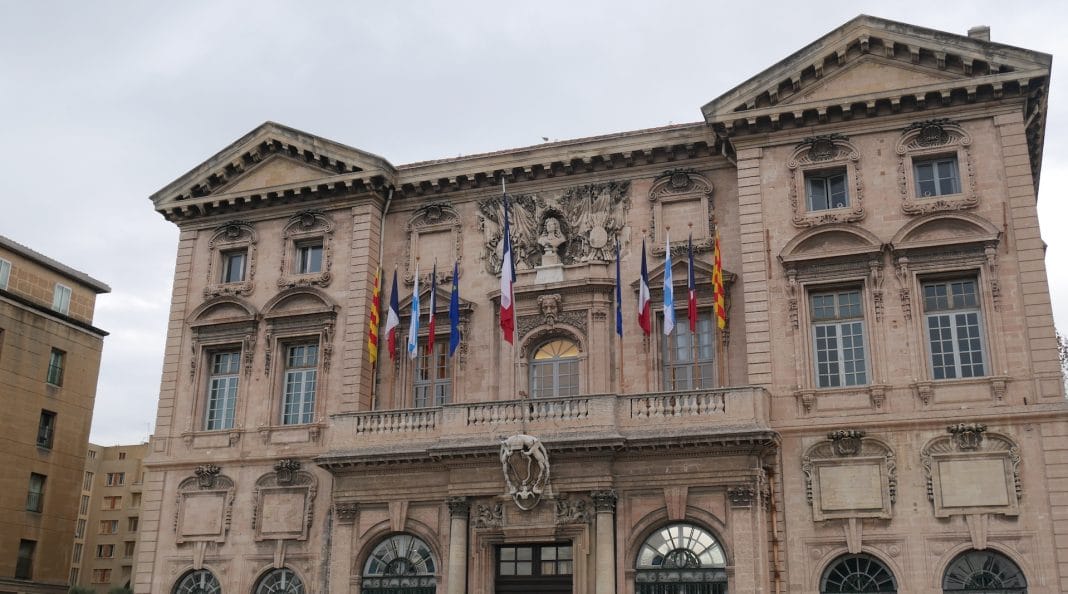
(580, 423)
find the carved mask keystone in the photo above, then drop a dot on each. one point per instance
(846, 442)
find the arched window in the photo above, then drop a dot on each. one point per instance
(200, 581)
(984, 572)
(554, 369)
(856, 574)
(280, 581)
(681, 559)
(400, 564)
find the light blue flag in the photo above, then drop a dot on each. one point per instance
(669, 291)
(413, 329)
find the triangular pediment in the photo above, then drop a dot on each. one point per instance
(272, 161)
(869, 60)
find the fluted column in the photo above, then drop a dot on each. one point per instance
(604, 502)
(459, 509)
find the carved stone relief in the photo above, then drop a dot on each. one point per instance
(204, 506)
(283, 503)
(587, 222)
(972, 471)
(825, 152)
(525, 464)
(432, 218)
(489, 515)
(229, 237)
(850, 476)
(575, 319)
(933, 138)
(572, 510)
(306, 226)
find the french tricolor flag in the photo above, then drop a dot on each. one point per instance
(507, 280)
(393, 318)
(644, 309)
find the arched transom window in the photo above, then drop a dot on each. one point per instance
(280, 581)
(554, 369)
(200, 581)
(400, 564)
(857, 574)
(984, 572)
(681, 559)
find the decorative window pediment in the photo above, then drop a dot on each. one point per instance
(301, 265)
(849, 475)
(825, 158)
(972, 471)
(283, 502)
(300, 312)
(204, 506)
(935, 169)
(232, 244)
(223, 321)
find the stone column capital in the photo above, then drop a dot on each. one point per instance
(345, 511)
(459, 507)
(604, 500)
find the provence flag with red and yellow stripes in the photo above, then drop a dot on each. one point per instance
(717, 285)
(372, 332)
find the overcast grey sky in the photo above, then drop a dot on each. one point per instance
(104, 103)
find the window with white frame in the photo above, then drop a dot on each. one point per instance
(937, 176)
(233, 266)
(954, 328)
(554, 369)
(826, 189)
(839, 351)
(309, 258)
(61, 299)
(690, 357)
(432, 385)
(301, 371)
(5, 273)
(222, 390)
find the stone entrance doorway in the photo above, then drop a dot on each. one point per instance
(544, 568)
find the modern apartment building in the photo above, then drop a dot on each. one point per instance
(49, 360)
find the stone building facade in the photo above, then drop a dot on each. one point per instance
(49, 361)
(109, 517)
(882, 412)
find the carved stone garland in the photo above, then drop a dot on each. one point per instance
(822, 152)
(306, 225)
(430, 218)
(231, 236)
(931, 138)
(591, 218)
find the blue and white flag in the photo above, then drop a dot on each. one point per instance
(669, 292)
(413, 328)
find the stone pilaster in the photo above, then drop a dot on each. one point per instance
(754, 268)
(459, 510)
(604, 502)
(341, 537)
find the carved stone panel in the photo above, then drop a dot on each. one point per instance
(682, 200)
(204, 506)
(850, 476)
(589, 221)
(435, 231)
(282, 503)
(972, 472)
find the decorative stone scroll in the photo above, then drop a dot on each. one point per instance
(204, 506)
(849, 475)
(308, 225)
(232, 236)
(589, 219)
(283, 503)
(972, 471)
(425, 225)
(933, 138)
(832, 151)
(525, 464)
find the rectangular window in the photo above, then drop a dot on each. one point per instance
(87, 482)
(112, 502)
(309, 258)
(24, 565)
(105, 551)
(109, 526)
(131, 524)
(91, 454)
(5, 273)
(55, 367)
(826, 189)
(79, 529)
(838, 335)
(954, 329)
(433, 382)
(76, 556)
(101, 576)
(122, 455)
(233, 268)
(298, 405)
(73, 579)
(135, 500)
(128, 548)
(689, 358)
(61, 299)
(46, 429)
(115, 479)
(222, 390)
(35, 494)
(535, 560)
(936, 177)
(83, 508)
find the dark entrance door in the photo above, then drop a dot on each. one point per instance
(535, 568)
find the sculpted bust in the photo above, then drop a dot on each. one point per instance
(550, 241)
